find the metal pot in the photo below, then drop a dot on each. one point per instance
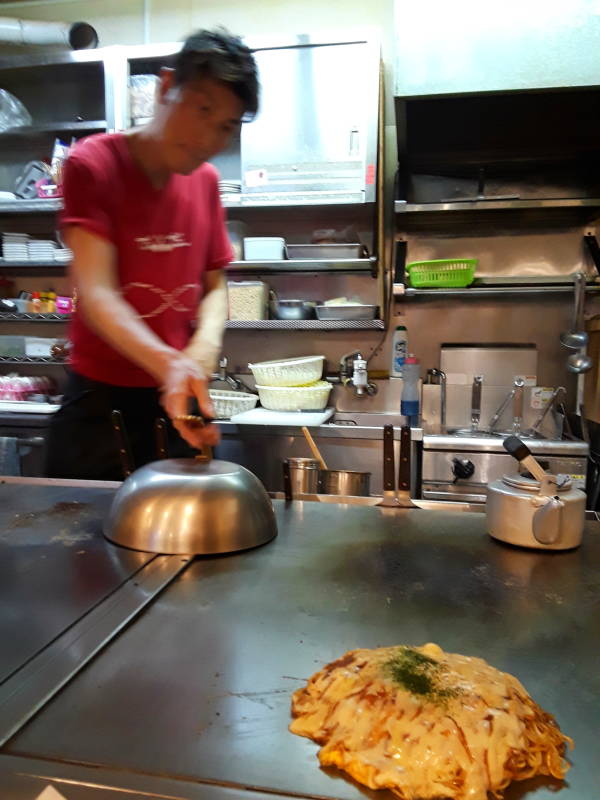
(544, 511)
(344, 482)
(291, 309)
(191, 506)
(303, 475)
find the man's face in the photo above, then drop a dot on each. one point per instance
(197, 121)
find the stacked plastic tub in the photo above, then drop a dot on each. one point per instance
(292, 385)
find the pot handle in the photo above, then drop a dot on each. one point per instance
(546, 522)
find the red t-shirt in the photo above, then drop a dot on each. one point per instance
(165, 240)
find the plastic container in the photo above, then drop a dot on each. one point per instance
(236, 232)
(399, 349)
(409, 403)
(12, 346)
(64, 305)
(443, 273)
(295, 398)
(38, 347)
(291, 372)
(264, 248)
(248, 300)
(226, 403)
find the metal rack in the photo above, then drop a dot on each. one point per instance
(81, 126)
(7, 316)
(37, 206)
(31, 360)
(307, 325)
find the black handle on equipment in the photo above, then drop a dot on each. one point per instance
(404, 471)
(389, 468)
(122, 443)
(287, 481)
(160, 433)
(516, 448)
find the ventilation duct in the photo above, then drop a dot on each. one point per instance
(76, 35)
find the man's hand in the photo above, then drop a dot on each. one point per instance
(184, 379)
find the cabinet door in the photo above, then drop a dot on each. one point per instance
(313, 138)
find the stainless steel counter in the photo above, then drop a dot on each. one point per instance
(55, 565)
(193, 698)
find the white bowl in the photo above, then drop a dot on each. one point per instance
(290, 372)
(295, 398)
(227, 403)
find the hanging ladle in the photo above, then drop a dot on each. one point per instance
(576, 338)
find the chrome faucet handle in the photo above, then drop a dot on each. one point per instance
(535, 428)
(476, 402)
(434, 372)
(518, 406)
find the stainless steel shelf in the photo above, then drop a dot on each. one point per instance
(402, 207)
(493, 213)
(7, 316)
(307, 325)
(36, 206)
(305, 265)
(489, 291)
(55, 127)
(30, 360)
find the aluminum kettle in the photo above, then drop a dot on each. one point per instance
(543, 512)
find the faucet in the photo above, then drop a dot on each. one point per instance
(439, 373)
(235, 383)
(353, 369)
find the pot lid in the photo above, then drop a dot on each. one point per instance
(563, 483)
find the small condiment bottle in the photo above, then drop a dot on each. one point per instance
(51, 302)
(35, 304)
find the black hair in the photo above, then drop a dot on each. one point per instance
(224, 57)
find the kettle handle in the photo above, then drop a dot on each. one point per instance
(546, 522)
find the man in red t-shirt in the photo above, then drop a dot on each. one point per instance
(143, 217)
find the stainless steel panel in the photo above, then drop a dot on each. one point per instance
(55, 565)
(26, 778)
(498, 365)
(315, 134)
(438, 478)
(445, 49)
(199, 687)
(493, 444)
(22, 695)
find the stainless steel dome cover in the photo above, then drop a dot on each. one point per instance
(191, 507)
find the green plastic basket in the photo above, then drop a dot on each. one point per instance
(448, 273)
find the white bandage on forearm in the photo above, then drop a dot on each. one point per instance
(205, 345)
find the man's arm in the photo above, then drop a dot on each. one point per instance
(205, 345)
(117, 322)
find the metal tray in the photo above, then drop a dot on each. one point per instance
(346, 312)
(326, 251)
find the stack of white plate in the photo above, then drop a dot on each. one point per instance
(14, 246)
(63, 255)
(41, 249)
(230, 191)
(230, 187)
